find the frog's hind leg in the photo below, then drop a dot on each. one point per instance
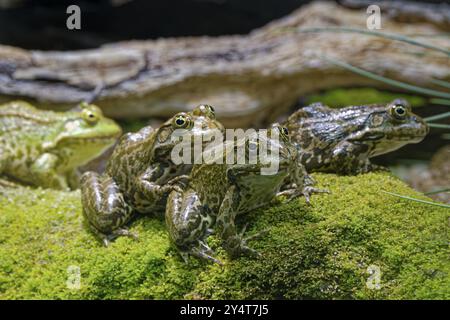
(234, 242)
(104, 207)
(189, 225)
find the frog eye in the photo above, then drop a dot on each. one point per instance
(182, 121)
(284, 132)
(91, 115)
(399, 111)
(205, 110)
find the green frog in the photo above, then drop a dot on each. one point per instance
(141, 173)
(44, 148)
(218, 191)
(343, 140)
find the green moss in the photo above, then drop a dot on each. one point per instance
(338, 98)
(318, 251)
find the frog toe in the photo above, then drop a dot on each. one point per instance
(257, 235)
(202, 251)
(308, 191)
(245, 250)
(121, 232)
(207, 257)
(237, 245)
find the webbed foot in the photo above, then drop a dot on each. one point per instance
(200, 250)
(306, 192)
(237, 245)
(108, 238)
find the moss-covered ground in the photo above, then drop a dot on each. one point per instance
(319, 251)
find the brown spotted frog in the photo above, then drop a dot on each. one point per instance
(343, 140)
(218, 191)
(140, 174)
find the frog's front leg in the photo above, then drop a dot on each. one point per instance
(189, 224)
(234, 242)
(150, 192)
(44, 172)
(104, 206)
(351, 158)
(299, 183)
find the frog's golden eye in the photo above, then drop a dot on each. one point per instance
(284, 132)
(211, 111)
(91, 115)
(182, 121)
(399, 111)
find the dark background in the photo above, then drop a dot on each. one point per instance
(42, 24)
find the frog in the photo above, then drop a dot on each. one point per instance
(219, 191)
(140, 174)
(44, 148)
(343, 141)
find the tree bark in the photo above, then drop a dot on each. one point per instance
(249, 79)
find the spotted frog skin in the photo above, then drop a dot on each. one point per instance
(140, 174)
(44, 148)
(343, 140)
(217, 193)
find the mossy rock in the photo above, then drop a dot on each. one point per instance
(321, 251)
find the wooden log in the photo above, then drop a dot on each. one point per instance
(250, 79)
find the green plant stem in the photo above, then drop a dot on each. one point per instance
(441, 83)
(392, 82)
(444, 102)
(439, 125)
(438, 117)
(437, 191)
(418, 200)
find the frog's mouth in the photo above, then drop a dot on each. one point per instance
(411, 139)
(87, 141)
(98, 139)
(408, 137)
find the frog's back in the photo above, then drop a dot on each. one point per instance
(318, 127)
(19, 117)
(130, 156)
(311, 126)
(23, 128)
